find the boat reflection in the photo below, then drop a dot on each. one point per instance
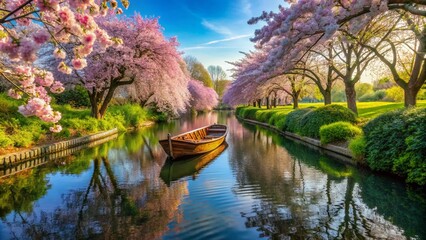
(175, 170)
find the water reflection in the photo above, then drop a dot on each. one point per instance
(305, 195)
(174, 170)
(261, 185)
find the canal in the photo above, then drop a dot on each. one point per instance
(258, 185)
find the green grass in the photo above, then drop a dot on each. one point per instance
(19, 131)
(365, 109)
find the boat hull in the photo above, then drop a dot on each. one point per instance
(182, 148)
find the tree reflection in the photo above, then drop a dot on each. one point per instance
(306, 195)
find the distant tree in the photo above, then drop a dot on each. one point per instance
(383, 83)
(203, 98)
(222, 85)
(362, 89)
(197, 71)
(216, 74)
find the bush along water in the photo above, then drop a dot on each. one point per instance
(311, 122)
(396, 142)
(338, 132)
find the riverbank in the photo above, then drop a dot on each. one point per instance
(392, 142)
(18, 133)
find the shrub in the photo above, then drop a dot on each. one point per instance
(372, 97)
(385, 140)
(76, 97)
(292, 121)
(249, 113)
(338, 131)
(22, 138)
(5, 141)
(395, 94)
(311, 122)
(396, 142)
(357, 147)
(264, 116)
(278, 116)
(280, 124)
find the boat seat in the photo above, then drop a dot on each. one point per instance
(216, 130)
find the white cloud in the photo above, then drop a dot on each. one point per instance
(218, 29)
(227, 39)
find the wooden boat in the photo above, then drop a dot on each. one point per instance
(175, 170)
(195, 142)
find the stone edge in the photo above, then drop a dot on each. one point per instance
(11, 159)
(340, 151)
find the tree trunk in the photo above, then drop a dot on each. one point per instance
(254, 103)
(410, 95)
(295, 101)
(106, 101)
(275, 102)
(351, 96)
(267, 103)
(327, 97)
(259, 103)
(94, 105)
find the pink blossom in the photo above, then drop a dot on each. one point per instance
(56, 128)
(62, 67)
(41, 36)
(33, 106)
(45, 79)
(57, 87)
(88, 39)
(66, 16)
(13, 93)
(28, 50)
(79, 63)
(59, 53)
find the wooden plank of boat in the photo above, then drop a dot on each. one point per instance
(195, 142)
(174, 170)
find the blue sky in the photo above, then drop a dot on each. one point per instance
(213, 31)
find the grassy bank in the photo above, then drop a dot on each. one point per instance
(386, 137)
(17, 131)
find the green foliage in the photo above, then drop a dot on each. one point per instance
(19, 131)
(363, 89)
(338, 131)
(264, 116)
(396, 142)
(372, 97)
(200, 73)
(280, 124)
(395, 94)
(311, 122)
(76, 97)
(385, 139)
(5, 141)
(135, 116)
(292, 121)
(357, 147)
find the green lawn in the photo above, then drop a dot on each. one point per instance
(365, 109)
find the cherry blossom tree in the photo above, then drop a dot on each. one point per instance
(25, 26)
(293, 31)
(202, 98)
(147, 60)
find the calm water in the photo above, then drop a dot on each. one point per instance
(260, 185)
